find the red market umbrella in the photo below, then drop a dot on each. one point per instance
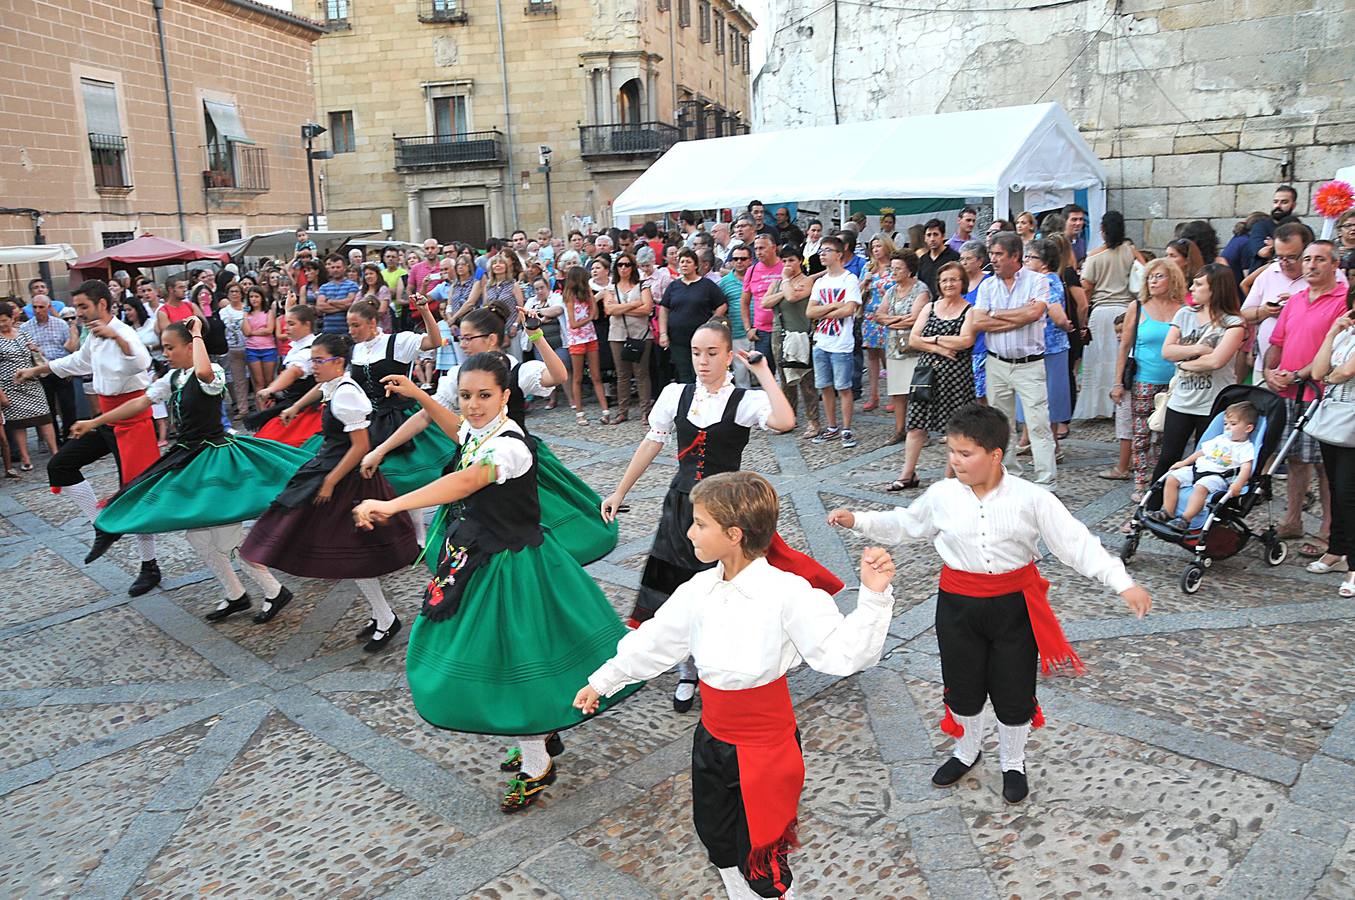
(147, 250)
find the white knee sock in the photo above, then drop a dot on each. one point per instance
(381, 610)
(968, 745)
(209, 550)
(535, 759)
(1011, 746)
(82, 495)
(686, 669)
(146, 544)
(736, 886)
(263, 577)
(420, 527)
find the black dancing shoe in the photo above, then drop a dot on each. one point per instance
(149, 578)
(366, 630)
(1015, 788)
(272, 607)
(239, 604)
(683, 706)
(380, 639)
(102, 541)
(513, 762)
(523, 792)
(952, 770)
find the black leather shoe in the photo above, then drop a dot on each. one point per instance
(1015, 788)
(272, 607)
(952, 770)
(380, 639)
(149, 578)
(367, 630)
(102, 541)
(239, 604)
(683, 706)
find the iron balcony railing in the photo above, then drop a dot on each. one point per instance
(472, 148)
(632, 139)
(442, 11)
(236, 167)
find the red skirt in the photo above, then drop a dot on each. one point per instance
(301, 429)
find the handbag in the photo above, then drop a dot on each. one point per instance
(1158, 420)
(924, 384)
(1136, 273)
(1131, 365)
(1333, 421)
(633, 349)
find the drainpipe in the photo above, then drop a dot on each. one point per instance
(159, 6)
(507, 117)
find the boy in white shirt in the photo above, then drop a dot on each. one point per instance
(993, 619)
(746, 624)
(1208, 469)
(832, 308)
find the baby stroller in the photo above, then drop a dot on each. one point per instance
(1220, 530)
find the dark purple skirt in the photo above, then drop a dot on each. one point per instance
(321, 541)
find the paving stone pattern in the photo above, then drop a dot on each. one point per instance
(1209, 752)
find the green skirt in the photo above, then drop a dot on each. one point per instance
(419, 462)
(220, 484)
(570, 510)
(531, 628)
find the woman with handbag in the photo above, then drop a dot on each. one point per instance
(944, 378)
(1334, 427)
(789, 297)
(902, 303)
(626, 304)
(1141, 372)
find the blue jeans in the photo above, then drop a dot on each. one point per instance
(832, 369)
(763, 345)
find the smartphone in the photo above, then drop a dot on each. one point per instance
(754, 357)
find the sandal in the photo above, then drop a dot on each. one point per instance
(1318, 567)
(1311, 548)
(26, 467)
(580, 419)
(10, 473)
(1113, 474)
(617, 419)
(1347, 588)
(812, 431)
(870, 405)
(901, 485)
(1287, 534)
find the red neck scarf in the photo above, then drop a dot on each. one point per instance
(760, 723)
(1055, 651)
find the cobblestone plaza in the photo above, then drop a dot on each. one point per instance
(1208, 752)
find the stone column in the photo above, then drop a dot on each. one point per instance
(415, 216)
(498, 214)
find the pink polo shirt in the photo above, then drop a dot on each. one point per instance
(1269, 285)
(1302, 327)
(756, 282)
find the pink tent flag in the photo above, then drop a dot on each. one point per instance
(145, 251)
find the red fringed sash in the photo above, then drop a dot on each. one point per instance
(137, 448)
(1055, 651)
(781, 556)
(760, 723)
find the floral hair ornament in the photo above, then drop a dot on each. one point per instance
(1333, 199)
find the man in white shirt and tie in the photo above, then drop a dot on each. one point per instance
(1010, 311)
(119, 362)
(993, 618)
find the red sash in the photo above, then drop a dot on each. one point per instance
(1055, 651)
(135, 436)
(760, 723)
(781, 556)
(295, 433)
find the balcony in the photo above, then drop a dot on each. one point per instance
(444, 11)
(436, 151)
(236, 168)
(639, 139)
(108, 155)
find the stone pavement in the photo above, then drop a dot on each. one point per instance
(1209, 752)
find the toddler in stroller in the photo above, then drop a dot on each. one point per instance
(1201, 504)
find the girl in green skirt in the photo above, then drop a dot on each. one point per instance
(510, 621)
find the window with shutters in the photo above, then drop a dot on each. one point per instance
(747, 67)
(226, 235)
(107, 143)
(341, 138)
(733, 45)
(720, 32)
(684, 13)
(703, 18)
(113, 238)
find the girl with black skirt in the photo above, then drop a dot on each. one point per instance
(308, 530)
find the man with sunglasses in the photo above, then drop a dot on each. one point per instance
(740, 259)
(758, 279)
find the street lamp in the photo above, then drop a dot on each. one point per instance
(544, 155)
(309, 132)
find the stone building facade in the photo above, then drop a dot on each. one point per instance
(1196, 109)
(86, 139)
(432, 124)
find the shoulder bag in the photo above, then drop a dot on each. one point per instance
(1131, 365)
(1333, 420)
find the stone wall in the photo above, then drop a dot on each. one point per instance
(1197, 109)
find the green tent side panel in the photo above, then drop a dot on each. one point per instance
(914, 207)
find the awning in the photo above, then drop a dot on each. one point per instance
(226, 119)
(279, 244)
(36, 253)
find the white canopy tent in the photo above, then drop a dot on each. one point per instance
(37, 253)
(1010, 154)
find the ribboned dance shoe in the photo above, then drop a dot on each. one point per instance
(149, 578)
(523, 791)
(1015, 787)
(952, 770)
(229, 608)
(684, 705)
(380, 639)
(272, 607)
(513, 762)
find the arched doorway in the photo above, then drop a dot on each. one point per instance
(628, 104)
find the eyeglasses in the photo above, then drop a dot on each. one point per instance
(1289, 257)
(472, 337)
(325, 359)
(1158, 276)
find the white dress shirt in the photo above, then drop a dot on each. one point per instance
(299, 356)
(162, 389)
(114, 372)
(510, 457)
(997, 533)
(749, 631)
(1028, 340)
(530, 374)
(706, 409)
(407, 348)
(351, 407)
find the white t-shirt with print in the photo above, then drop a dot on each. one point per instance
(835, 335)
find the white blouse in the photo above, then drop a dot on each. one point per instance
(299, 356)
(114, 371)
(509, 456)
(997, 533)
(706, 409)
(352, 408)
(162, 389)
(530, 374)
(750, 631)
(407, 348)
